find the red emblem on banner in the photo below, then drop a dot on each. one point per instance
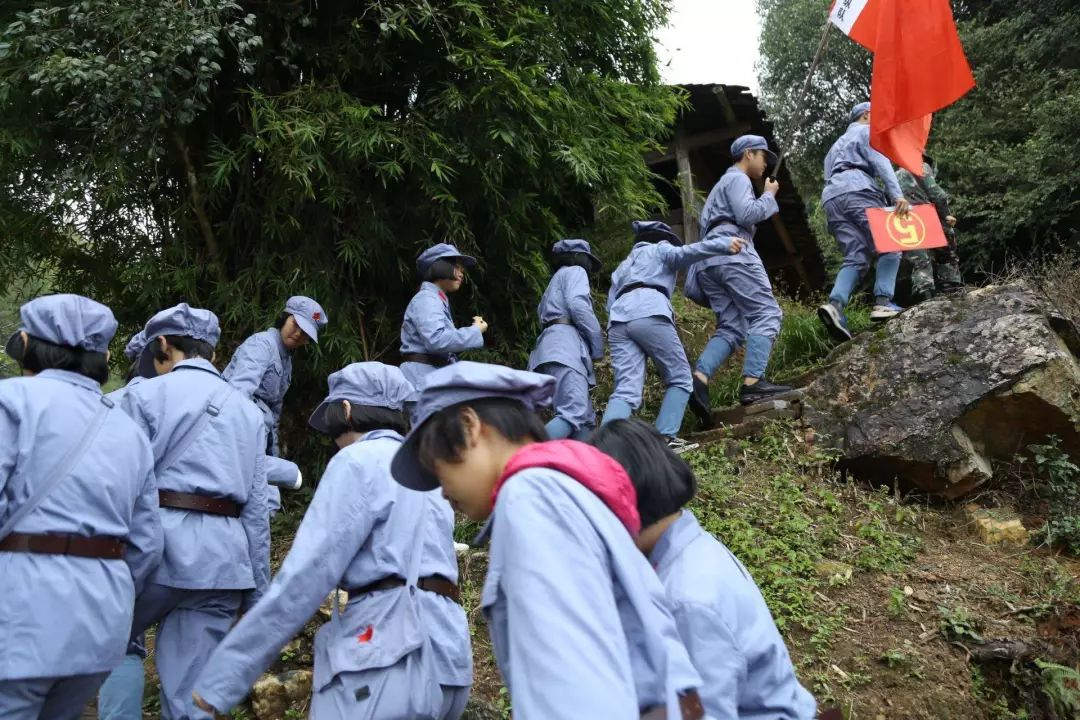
(920, 230)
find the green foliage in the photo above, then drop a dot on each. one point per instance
(784, 548)
(155, 151)
(1060, 484)
(790, 32)
(1061, 685)
(801, 347)
(1004, 151)
(958, 624)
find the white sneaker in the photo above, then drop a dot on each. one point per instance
(679, 446)
(885, 312)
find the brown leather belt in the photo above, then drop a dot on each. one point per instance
(433, 360)
(99, 546)
(433, 583)
(558, 321)
(689, 704)
(198, 503)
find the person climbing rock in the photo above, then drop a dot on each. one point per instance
(852, 169)
(934, 271)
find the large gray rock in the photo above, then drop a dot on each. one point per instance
(936, 394)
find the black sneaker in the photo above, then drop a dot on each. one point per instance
(761, 390)
(700, 402)
(835, 322)
(679, 446)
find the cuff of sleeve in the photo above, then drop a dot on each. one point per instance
(477, 340)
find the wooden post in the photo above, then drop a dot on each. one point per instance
(686, 189)
(793, 254)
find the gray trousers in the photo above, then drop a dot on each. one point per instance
(633, 342)
(572, 402)
(59, 698)
(191, 623)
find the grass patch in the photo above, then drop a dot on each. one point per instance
(777, 509)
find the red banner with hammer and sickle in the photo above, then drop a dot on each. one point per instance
(920, 230)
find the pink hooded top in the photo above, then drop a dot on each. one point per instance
(599, 473)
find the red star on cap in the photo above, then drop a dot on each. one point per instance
(316, 316)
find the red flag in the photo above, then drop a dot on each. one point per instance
(919, 230)
(919, 68)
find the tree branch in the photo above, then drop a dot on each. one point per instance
(199, 207)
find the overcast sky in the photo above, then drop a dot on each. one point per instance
(703, 43)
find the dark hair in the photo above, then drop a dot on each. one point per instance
(132, 372)
(281, 320)
(363, 418)
(663, 481)
(443, 435)
(41, 355)
(655, 236)
(738, 158)
(441, 269)
(572, 259)
(189, 347)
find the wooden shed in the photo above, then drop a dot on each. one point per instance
(700, 152)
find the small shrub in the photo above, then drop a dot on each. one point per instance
(1061, 685)
(1060, 483)
(958, 624)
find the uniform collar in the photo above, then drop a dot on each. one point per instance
(196, 364)
(283, 351)
(675, 539)
(72, 378)
(377, 434)
(434, 289)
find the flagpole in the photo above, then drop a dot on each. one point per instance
(822, 45)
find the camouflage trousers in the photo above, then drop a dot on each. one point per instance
(938, 268)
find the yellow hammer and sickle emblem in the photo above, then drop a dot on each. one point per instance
(910, 232)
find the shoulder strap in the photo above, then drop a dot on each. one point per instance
(212, 410)
(61, 469)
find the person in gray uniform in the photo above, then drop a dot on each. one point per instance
(79, 527)
(570, 340)
(209, 447)
(400, 647)
(641, 323)
(852, 172)
(429, 338)
(736, 287)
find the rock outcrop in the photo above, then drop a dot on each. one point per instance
(274, 695)
(932, 397)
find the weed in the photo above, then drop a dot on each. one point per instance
(503, 703)
(1059, 484)
(897, 602)
(906, 659)
(894, 658)
(958, 624)
(888, 547)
